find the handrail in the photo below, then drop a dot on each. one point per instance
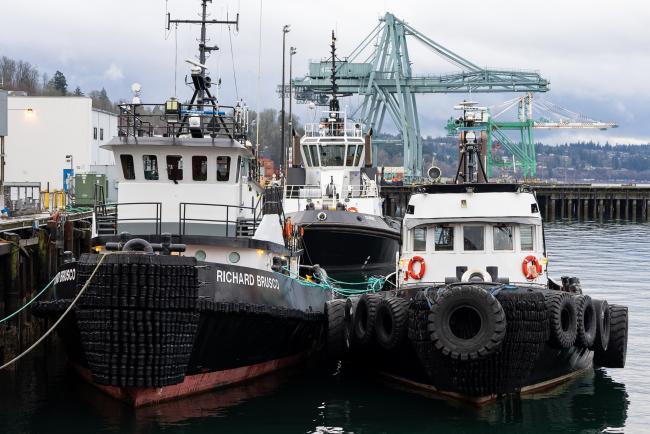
(157, 219)
(183, 219)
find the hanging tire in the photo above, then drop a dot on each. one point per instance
(364, 318)
(586, 326)
(466, 322)
(614, 356)
(337, 339)
(603, 323)
(562, 318)
(391, 322)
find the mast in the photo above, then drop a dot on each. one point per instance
(203, 48)
(334, 102)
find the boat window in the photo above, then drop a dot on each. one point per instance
(331, 155)
(150, 164)
(223, 168)
(349, 158)
(238, 168)
(199, 168)
(175, 167)
(305, 150)
(526, 237)
(127, 166)
(444, 237)
(473, 238)
(420, 239)
(357, 157)
(314, 155)
(502, 237)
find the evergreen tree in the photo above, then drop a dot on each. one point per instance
(78, 92)
(59, 83)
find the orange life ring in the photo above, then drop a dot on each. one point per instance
(412, 262)
(531, 267)
(288, 228)
(353, 209)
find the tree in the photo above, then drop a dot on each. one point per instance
(78, 92)
(59, 83)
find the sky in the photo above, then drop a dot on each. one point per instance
(595, 54)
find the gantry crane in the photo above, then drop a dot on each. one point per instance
(379, 69)
(521, 153)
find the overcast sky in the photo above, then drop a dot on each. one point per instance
(595, 54)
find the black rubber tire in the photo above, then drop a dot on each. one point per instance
(585, 321)
(364, 318)
(337, 341)
(562, 317)
(482, 310)
(391, 322)
(614, 356)
(603, 323)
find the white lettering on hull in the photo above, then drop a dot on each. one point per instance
(247, 279)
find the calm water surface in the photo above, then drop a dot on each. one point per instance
(611, 260)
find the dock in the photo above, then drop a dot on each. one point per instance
(561, 201)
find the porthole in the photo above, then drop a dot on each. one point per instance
(233, 257)
(200, 255)
(321, 216)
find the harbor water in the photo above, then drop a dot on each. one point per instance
(43, 396)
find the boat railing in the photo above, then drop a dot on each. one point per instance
(334, 124)
(363, 190)
(108, 217)
(302, 192)
(195, 120)
(239, 221)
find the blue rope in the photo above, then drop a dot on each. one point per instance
(28, 303)
(373, 284)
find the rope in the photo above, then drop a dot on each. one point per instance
(29, 302)
(373, 284)
(58, 321)
(232, 60)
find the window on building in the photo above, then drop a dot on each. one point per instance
(101, 134)
(174, 167)
(223, 168)
(502, 237)
(128, 169)
(331, 155)
(420, 239)
(444, 237)
(199, 168)
(473, 237)
(349, 158)
(95, 133)
(150, 164)
(527, 237)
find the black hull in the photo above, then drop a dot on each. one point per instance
(168, 333)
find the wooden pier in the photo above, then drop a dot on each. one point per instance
(561, 201)
(31, 251)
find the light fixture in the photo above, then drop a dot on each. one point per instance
(30, 110)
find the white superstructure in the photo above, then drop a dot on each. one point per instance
(334, 155)
(473, 232)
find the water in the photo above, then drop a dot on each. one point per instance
(43, 397)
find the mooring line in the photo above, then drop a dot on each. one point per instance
(28, 303)
(47, 333)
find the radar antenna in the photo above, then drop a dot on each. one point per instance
(471, 168)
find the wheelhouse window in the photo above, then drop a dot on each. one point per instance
(223, 168)
(238, 169)
(128, 169)
(473, 238)
(305, 150)
(101, 134)
(527, 237)
(174, 167)
(313, 149)
(502, 237)
(199, 168)
(444, 238)
(331, 155)
(357, 157)
(420, 239)
(95, 133)
(349, 159)
(150, 164)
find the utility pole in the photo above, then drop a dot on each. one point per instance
(292, 51)
(286, 29)
(203, 48)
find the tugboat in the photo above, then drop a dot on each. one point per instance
(201, 296)
(332, 196)
(476, 316)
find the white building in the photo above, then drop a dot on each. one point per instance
(43, 130)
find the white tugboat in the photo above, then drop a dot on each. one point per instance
(476, 315)
(331, 193)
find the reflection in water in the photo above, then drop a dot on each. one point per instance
(42, 397)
